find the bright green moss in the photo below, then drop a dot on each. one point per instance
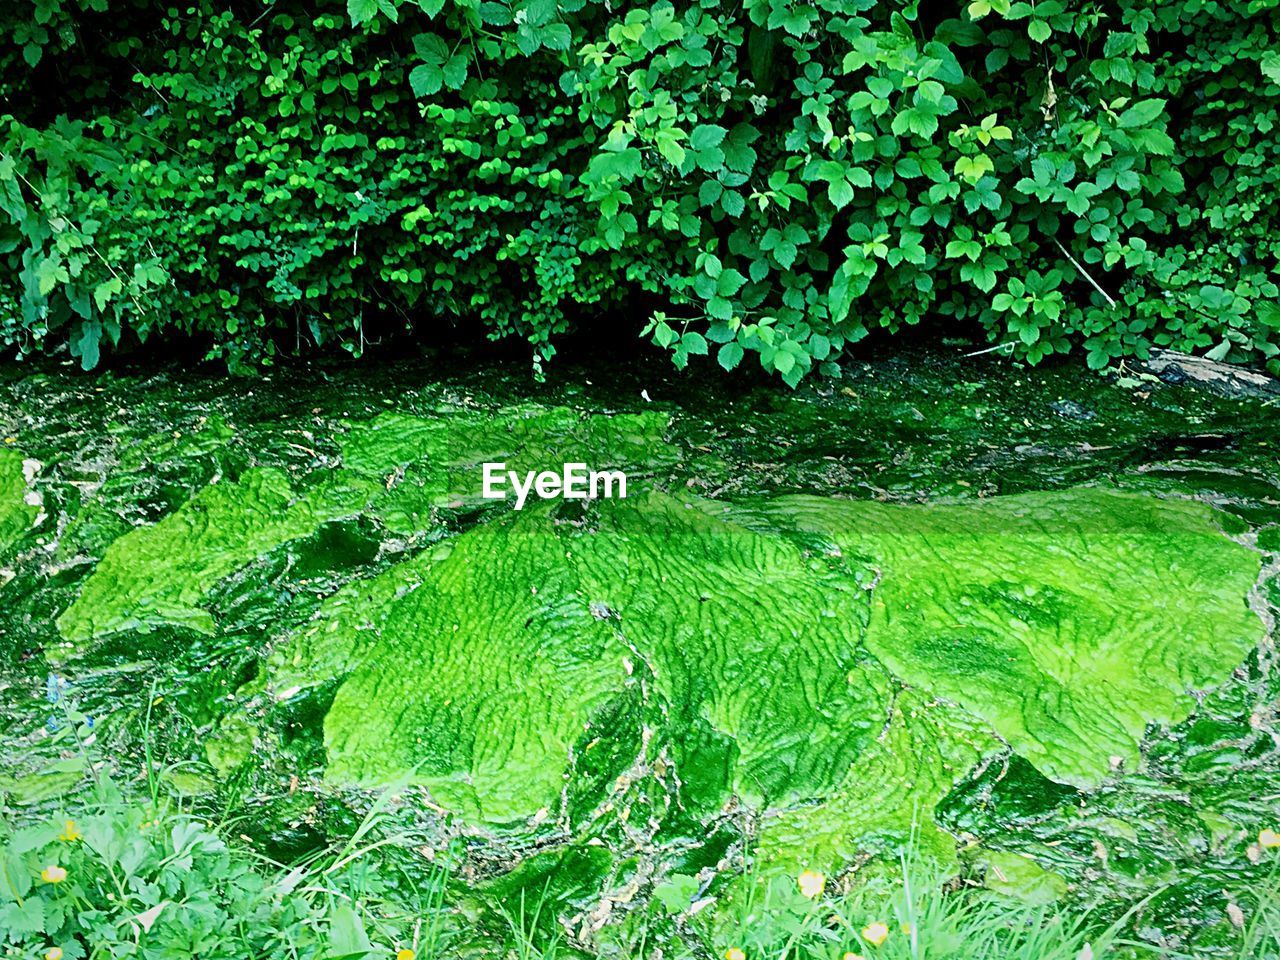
(487, 674)
(1068, 621)
(159, 574)
(1060, 623)
(433, 462)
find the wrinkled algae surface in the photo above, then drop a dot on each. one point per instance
(1021, 614)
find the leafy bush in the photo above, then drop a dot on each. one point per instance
(781, 176)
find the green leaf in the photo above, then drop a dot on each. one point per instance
(729, 355)
(431, 48)
(707, 136)
(455, 71)
(1098, 358)
(347, 939)
(1271, 66)
(361, 11)
(840, 296)
(739, 155)
(694, 343)
(494, 14)
(426, 79)
(624, 164)
(49, 272)
(1141, 114)
(85, 343)
(729, 282)
(840, 193)
(106, 291)
(556, 36)
(677, 893)
(668, 141)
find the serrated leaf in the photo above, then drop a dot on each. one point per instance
(668, 141)
(431, 48)
(495, 14)
(426, 79)
(840, 193)
(455, 71)
(22, 920)
(720, 308)
(729, 282)
(1141, 113)
(85, 343)
(556, 36)
(694, 344)
(1271, 67)
(361, 11)
(706, 136)
(729, 355)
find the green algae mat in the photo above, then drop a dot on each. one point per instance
(764, 650)
(918, 608)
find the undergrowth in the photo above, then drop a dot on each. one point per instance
(130, 872)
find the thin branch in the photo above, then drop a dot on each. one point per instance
(1084, 273)
(1007, 347)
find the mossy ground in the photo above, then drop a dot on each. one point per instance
(1110, 717)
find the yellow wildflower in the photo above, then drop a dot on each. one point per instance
(405, 954)
(53, 874)
(734, 953)
(53, 953)
(1268, 839)
(10, 439)
(875, 933)
(906, 928)
(70, 832)
(811, 883)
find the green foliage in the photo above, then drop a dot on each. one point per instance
(907, 917)
(783, 177)
(125, 880)
(912, 912)
(16, 513)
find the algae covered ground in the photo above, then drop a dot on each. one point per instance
(1022, 621)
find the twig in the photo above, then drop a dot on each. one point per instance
(1084, 273)
(1007, 345)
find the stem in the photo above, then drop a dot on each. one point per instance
(1084, 273)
